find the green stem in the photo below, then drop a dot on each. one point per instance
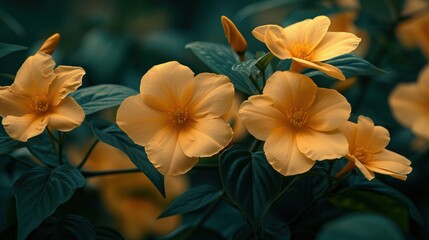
(255, 145)
(88, 174)
(53, 138)
(85, 159)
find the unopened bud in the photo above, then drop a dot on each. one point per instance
(50, 44)
(235, 39)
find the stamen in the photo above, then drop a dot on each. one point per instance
(302, 50)
(178, 115)
(40, 104)
(297, 117)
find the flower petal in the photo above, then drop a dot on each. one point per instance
(389, 163)
(213, 94)
(408, 104)
(34, 76)
(13, 104)
(205, 138)
(260, 117)
(368, 174)
(329, 111)
(260, 32)
(139, 121)
(420, 126)
(276, 43)
(67, 80)
(167, 84)
(309, 32)
(283, 154)
(423, 80)
(290, 90)
(166, 154)
(328, 69)
(349, 130)
(335, 44)
(322, 145)
(370, 137)
(66, 116)
(24, 127)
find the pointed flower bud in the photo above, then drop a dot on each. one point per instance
(235, 39)
(50, 44)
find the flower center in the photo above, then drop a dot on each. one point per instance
(360, 154)
(297, 117)
(302, 50)
(40, 104)
(178, 115)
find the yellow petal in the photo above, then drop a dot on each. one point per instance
(423, 80)
(373, 138)
(139, 121)
(323, 67)
(50, 44)
(283, 154)
(321, 145)
(276, 43)
(34, 76)
(213, 95)
(67, 80)
(287, 90)
(308, 32)
(408, 104)
(335, 44)
(24, 127)
(260, 32)
(389, 163)
(368, 174)
(13, 104)
(260, 117)
(167, 84)
(421, 126)
(329, 111)
(205, 138)
(66, 116)
(166, 154)
(349, 130)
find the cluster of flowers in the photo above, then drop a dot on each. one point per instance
(178, 116)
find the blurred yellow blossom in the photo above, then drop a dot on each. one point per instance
(38, 98)
(298, 121)
(413, 33)
(308, 43)
(367, 152)
(235, 38)
(177, 116)
(409, 103)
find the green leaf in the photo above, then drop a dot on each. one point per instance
(69, 226)
(96, 98)
(40, 191)
(7, 144)
(41, 148)
(191, 200)
(189, 232)
(250, 181)
(365, 201)
(115, 137)
(386, 11)
(220, 59)
(272, 231)
(350, 65)
(6, 48)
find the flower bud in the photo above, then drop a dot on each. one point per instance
(50, 44)
(235, 39)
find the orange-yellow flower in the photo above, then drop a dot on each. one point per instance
(367, 151)
(176, 116)
(235, 38)
(308, 43)
(298, 121)
(409, 103)
(38, 98)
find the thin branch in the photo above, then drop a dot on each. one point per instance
(85, 159)
(88, 174)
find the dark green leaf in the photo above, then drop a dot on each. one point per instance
(7, 144)
(350, 65)
(6, 48)
(114, 136)
(193, 233)
(350, 227)
(272, 231)
(66, 227)
(220, 59)
(40, 191)
(96, 98)
(249, 180)
(42, 148)
(365, 201)
(386, 11)
(191, 200)
(104, 233)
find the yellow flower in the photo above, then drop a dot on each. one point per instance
(409, 103)
(298, 121)
(235, 38)
(38, 98)
(308, 43)
(50, 44)
(176, 116)
(367, 151)
(413, 33)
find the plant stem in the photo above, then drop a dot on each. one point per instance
(85, 159)
(88, 174)
(255, 145)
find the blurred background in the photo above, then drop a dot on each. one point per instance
(118, 41)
